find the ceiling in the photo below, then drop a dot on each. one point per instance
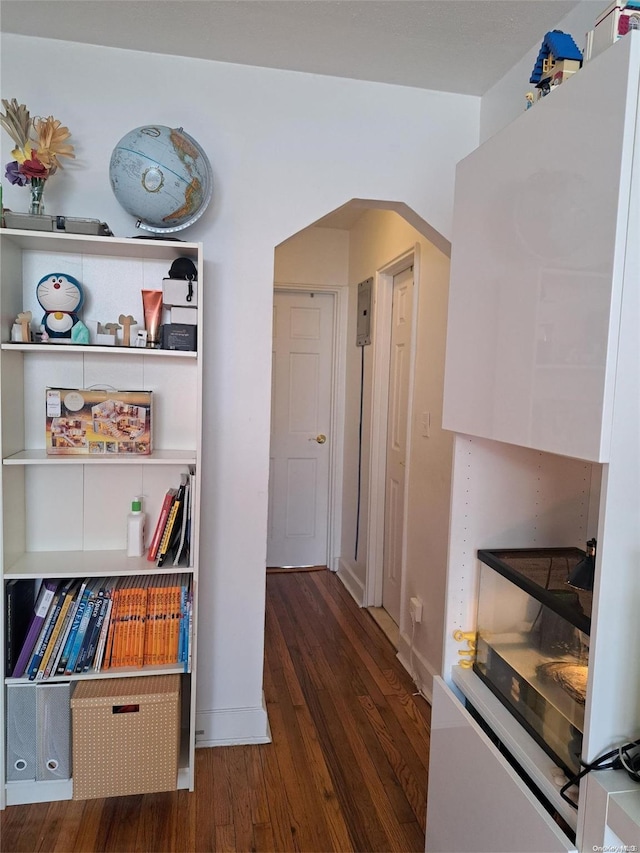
(462, 46)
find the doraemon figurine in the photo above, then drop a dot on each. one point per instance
(61, 296)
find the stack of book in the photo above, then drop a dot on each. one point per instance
(92, 624)
(171, 540)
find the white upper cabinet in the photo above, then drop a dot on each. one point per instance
(538, 266)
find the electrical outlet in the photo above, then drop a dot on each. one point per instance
(426, 424)
(415, 609)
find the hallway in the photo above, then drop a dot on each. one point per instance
(347, 768)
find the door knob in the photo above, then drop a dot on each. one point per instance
(319, 438)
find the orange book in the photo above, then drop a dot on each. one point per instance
(119, 639)
(155, 613)
(175, 618)
(142, 621)
(129, 624)
(161, 638)
(149, 624)
(134, 616)
(113, 619)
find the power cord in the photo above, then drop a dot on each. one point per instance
(617, 759)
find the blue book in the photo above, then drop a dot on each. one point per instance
(71, 636)
(86, 606)
(94, 629)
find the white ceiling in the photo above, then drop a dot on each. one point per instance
(460, 46)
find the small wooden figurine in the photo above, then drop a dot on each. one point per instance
(24, 319)
(126, 321)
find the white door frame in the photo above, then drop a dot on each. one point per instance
(381, 343)
(336, 444)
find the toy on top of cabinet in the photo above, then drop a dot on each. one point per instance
(61, 296)
(619, 18)
(558, 59)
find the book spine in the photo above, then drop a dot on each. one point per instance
(52, 645)
(79, 625)
(113, 619)
(180, 548)
(46, 630)
(104, 633)
(52, 664)
(160, 525)
(45, 597)
(100, 611)
(43, 637)
(73, 628)
(20, 599)
(168, 532)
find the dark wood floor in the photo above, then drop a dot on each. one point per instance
(347, 768)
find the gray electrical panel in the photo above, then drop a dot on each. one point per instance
(365, 303)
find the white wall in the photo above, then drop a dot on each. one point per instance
(314, 256)
(285, 148)
(377, 239)
(506, 100)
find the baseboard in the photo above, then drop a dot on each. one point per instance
(233, 726)
(352, 583)
(422, 671)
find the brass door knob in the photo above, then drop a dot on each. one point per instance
(321, 439)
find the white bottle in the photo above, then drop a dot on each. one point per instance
(135, 530)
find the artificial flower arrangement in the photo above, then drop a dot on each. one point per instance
(40, 142)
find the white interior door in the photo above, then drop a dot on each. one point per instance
(397, 441)
(300, 419)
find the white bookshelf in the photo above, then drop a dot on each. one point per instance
(65, 517)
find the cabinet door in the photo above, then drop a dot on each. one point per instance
(477, 803)
(537, 262)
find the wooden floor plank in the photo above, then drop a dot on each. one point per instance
(346, 769)
(242, 814)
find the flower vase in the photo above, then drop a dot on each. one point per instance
(36, 188)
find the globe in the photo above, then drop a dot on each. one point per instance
(161, 176)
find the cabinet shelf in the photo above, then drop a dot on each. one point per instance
(158, 457)
(531, 757)
(84, 349)
(118, 672)
(75, 564)
(114, 247)
(30, 791)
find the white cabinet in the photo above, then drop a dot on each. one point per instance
(541, 216)
(475, 780)
(542, 387)
(65, 516)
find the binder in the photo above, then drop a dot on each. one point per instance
(20, 598)
(21, 732)
(39, 731)
(53, 732)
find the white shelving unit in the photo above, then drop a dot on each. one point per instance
(65, 517)
(542, 388)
